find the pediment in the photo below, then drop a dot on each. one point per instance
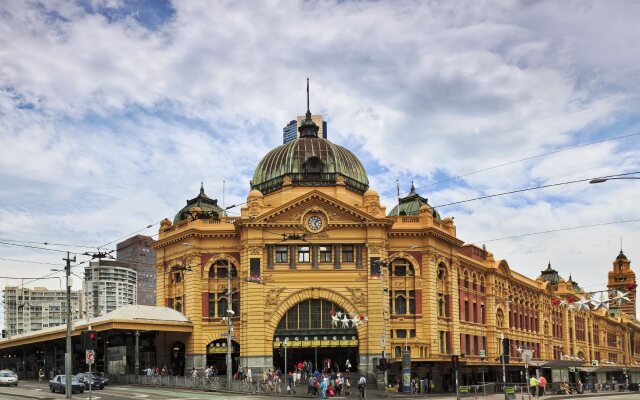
(336, 211)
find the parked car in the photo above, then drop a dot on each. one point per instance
(8, 378)
(101, 375)
(58, 383)
(87, 378)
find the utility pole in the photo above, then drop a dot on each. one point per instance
(504, 368)
(68, 355)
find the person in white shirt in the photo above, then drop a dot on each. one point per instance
(362, 386)
(249, 375)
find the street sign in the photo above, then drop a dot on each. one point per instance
(90, 357)
(227, 335)
(383, 341)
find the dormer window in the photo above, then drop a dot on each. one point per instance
(313, 165)
(619, 265)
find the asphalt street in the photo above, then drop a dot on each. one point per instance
(41, 391)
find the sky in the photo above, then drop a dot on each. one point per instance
(112, 112)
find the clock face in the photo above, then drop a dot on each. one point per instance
(314, 223)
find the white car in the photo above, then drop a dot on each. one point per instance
(8, 378)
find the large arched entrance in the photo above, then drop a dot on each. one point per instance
(217, 355)
(310, 335)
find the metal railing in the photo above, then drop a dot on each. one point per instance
(216, 383)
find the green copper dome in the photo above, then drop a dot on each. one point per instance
(200, 207)
(550, 275)
(411, 203)
(310, 161)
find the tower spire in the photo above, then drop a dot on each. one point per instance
(308, 128)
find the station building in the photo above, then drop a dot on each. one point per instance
(313, 241)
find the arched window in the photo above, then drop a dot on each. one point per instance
(222, 269)
(401, 305)
(178, 306)
(212, 271)
(441, 306)
(474, 281)
(482, 288)
(466, 279)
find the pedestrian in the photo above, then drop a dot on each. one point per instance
(533, 385)
(542, 384)
(40, 375)
(362, 387)
(249, 375)
(323, 389)
(426, 384)
(290, 383)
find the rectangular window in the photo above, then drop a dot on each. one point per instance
(412, 333)
(468, 343)
(281, 254)
(304, 253)
(254, 265)
(325, 253)
(482, 317)
(466, 310)
(475, 312)
(401, 333)
(373, 265)
(442, 342)
(347, 253)
(476, 349)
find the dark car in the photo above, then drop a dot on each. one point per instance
(87, 378)
(57, 384)
(101, 376)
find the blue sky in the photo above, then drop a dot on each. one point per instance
(113, 112)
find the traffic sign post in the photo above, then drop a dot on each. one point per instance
(90, 358)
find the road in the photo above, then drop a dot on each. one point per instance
(37, 390)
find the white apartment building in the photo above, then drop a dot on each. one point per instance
(108, 285)
(27, 310)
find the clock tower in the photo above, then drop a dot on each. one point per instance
(622, 278)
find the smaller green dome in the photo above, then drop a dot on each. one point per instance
(411, 203)
(621, 256)
(550, 275)
(200, 207)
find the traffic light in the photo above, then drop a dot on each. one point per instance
(455, 360)
(383, 364)
(506, 350)
(90, 340)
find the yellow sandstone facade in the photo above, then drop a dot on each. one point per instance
(310, 242)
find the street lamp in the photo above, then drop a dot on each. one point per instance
(230, 313)
(608, 178)
(382, 264)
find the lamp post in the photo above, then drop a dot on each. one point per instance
(382, 264)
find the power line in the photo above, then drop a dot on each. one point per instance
(555, 230)
(529, 189)
(524, 159)
(128, 235)
(29, 262)
(35, 247)
(47, 243)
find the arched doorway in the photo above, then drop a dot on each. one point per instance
(217, 355)
(310, 336)
(177, 359)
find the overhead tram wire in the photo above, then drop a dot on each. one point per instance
(38, 248)
(46, 243)
(521, 160)
(555, 230)
(529, 189)
(30, 262)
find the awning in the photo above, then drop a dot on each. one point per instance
(556, 363)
